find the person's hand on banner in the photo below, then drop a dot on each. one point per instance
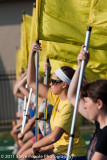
(35, 47)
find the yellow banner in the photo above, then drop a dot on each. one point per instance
(18, 64)
(25, 37)
(33, 29)
(66, 22)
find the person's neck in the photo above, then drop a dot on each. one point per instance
(63, 95)
(102, 119)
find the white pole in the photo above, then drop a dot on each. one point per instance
(27, 107)
(70, 146)
(25, 100)
(36, 100)
(18, 105)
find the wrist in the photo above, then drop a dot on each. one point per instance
(33, 53)
(79, 64)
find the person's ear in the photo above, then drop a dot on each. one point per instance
(100, 103)
(64, 84)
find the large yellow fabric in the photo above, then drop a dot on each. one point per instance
(62, 117)
(59, 20)
(61, 54)
(18, 65)
(38, 8)
(33, 37)
(28, 20)
(25, 37)
(98, 14)
(33, 29)
(98, 21)
(66, 21)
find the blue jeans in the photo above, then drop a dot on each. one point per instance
(63, 157)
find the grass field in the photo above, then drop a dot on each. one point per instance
(7, 143)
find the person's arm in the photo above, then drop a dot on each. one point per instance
(22, 88)
(20, 82)
(99, 156)
(74, 83)
(24, 91)
(31, 73)
(49, 139)
(18, 125)
(19, 116)
(17, 92)
(28, 126)
(46, 150)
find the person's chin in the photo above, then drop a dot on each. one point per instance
(54, 92)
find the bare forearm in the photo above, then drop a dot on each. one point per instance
(17, 92)
(19, 95)
(73, 85)
(26, 129)
(19, 125)
(24, 91)
(48, 140)
(23, 81)
(31, 70)
(17, 83)
(47, 149)
(29, 125)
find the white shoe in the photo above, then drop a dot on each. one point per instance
(16, 148)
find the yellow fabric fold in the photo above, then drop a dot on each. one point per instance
(33, 30)
(98, 14)
(63, 25)
(18, 64)
(25, 37)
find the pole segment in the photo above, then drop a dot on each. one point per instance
(36, 99)
(27, 107)
(37, 71)
(25, 100)
(45, 111)
(18, 105)
(24, 107)
(70, 146)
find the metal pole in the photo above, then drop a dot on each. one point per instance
(36, 99)
(37, 71)
(45, 111)
(70, 146)
(25, 100)
(27, 107)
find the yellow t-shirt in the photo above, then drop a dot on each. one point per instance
(62, 117)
